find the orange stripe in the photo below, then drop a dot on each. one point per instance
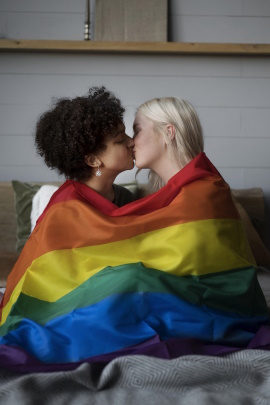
(83, 227)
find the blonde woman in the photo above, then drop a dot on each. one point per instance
(167, 136)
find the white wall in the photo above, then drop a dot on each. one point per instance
(231, 94)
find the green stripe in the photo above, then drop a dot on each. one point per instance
(236, 291)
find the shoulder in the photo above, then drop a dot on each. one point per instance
(122, 195)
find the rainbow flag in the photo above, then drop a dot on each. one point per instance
(167, 275)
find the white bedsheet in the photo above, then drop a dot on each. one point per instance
(40, 201)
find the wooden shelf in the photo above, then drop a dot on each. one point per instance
(171, 48)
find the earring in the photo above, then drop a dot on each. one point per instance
(98, 172)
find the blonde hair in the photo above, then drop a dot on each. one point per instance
(188, 140)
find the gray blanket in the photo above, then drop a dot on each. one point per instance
(239, 378)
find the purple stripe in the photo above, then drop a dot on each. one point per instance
(14, 358)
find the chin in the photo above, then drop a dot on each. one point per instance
(139, 166)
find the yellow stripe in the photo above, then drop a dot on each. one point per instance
(13, 298)
(196, 248)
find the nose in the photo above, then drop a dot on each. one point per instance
(130, 142)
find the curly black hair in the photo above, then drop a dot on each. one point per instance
(75, 128)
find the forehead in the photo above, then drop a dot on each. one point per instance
(119, 130)
(141, 119)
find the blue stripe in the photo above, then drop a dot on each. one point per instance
(126, 320)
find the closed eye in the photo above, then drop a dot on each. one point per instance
(120, 138)
(136, 130)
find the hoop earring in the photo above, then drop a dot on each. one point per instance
(98, 172)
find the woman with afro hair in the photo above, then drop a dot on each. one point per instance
(84, 139)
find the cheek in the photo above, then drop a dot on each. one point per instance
(140, 141)
(136, 141)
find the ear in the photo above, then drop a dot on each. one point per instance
(92, 161)
(170, 131)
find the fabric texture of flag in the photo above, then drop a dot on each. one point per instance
(167, 275)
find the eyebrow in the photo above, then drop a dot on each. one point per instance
(120, 132)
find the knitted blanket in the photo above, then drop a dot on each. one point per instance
(238, 378)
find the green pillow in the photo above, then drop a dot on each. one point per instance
(132, 186)
(23, 194)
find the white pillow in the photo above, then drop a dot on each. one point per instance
(40, 201)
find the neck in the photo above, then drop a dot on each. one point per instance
(103, 186)
(166, 169)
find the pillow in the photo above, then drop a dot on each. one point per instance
(23, 195)
(132, 186)
(259, 250)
